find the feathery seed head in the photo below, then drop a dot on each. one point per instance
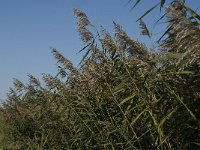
(18, 84)
(61, 59)
(82, 22)
(108, 42)
(33, 80)
(143, 28)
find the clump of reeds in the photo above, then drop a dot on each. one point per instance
(123, 96)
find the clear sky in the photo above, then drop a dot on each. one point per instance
(29, 27)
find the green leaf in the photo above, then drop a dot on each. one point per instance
(171, 55)
(168, 116)
(127, 99)
(162, 2)
(179, 99)
(84, 47)
(128, 2)
(185, 72)
(118, 89)
(136, 3)
(192, 13)
(159, 19)
(148, 11)
(138, 116)
(167, 31)
(83, 58)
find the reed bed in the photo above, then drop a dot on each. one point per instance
(123, 95)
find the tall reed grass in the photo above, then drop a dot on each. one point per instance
(123, 95)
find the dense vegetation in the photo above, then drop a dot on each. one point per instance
(123, 95)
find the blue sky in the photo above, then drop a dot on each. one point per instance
(29, 27)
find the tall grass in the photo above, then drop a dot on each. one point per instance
(123, 96)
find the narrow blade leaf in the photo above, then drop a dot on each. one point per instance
(192, 13)
(83, 58)
(162, 2)
(167, 31)
(159, 19)
(137, 117)
(148, 11)
(126, 99)
(136, 3)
